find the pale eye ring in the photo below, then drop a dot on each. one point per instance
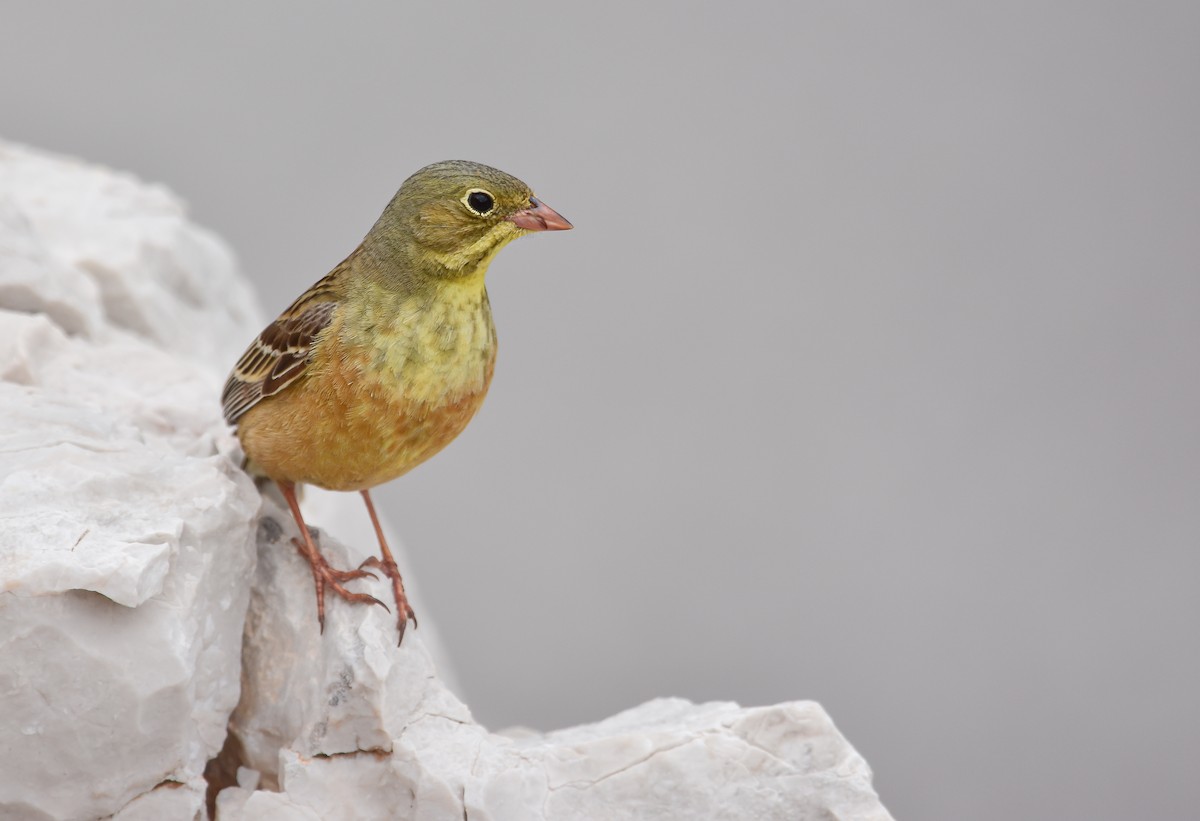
(479, 201)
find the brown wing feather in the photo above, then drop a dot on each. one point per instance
(284, 348)
(280, 354)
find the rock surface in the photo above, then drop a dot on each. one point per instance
(126, 532)
(147, 590)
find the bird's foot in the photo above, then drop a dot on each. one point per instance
(404, 611)
(325, 575)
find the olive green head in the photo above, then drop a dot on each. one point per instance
(454, 216)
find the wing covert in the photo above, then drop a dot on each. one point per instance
(276, 359)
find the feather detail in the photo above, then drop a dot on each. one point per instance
(279, 356)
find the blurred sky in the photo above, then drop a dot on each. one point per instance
(869, 374)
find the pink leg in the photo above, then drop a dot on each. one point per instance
(388, 567)
(323, 575)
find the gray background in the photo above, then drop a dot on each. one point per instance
(869, 374)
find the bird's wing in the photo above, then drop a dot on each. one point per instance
(280, 354)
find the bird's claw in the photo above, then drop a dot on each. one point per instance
(404, 611)
(351, 575)
(324, 575)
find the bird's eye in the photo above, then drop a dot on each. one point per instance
(480, 201)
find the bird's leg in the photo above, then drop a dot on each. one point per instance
(388, 567)
(323, 574)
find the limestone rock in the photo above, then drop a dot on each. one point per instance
(346, 691)
(169, 800)
(93, 248)
(127, 532)
(346, 726)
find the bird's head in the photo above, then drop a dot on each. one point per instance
(452, 217)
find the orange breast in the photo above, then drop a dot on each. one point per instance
(345, 428)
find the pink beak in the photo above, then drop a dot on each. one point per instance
(540, 217)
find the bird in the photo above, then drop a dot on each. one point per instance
(383, 362)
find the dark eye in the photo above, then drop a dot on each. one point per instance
(481, 202)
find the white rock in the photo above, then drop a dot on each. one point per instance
(123, 560)
(110, 236)
(167, 801)
(33, 281)
(348, 690)
(345, 726)
(237, 802)
(127, 531)
(129, 544)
